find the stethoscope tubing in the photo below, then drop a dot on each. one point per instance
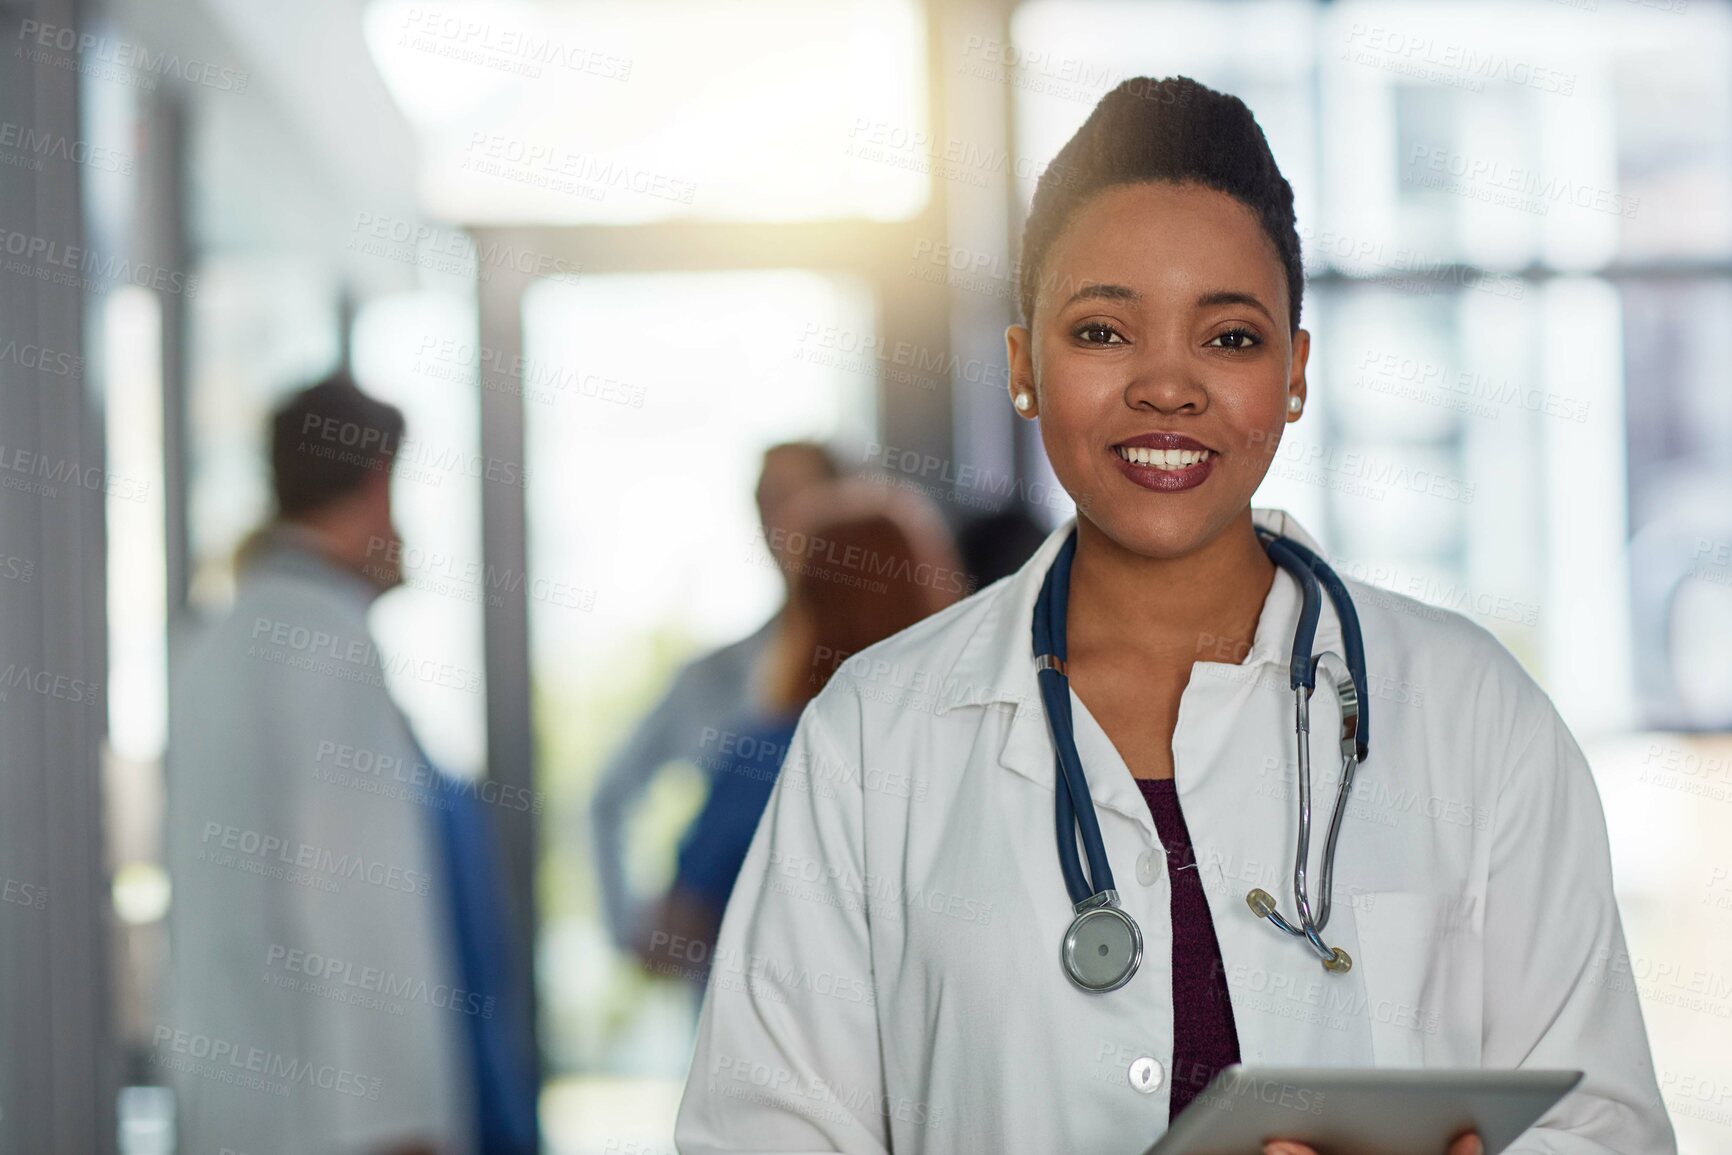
(1073, 808)
(1072, 785)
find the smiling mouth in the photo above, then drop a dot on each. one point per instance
(1163, 458)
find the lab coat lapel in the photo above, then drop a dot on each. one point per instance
(996, 667)
(1028, 750)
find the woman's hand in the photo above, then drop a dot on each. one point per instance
(1468, 1144)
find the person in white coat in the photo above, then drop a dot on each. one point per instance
(314, 999)
(887, 976)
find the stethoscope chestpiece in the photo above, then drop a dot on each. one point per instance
(1103, 947)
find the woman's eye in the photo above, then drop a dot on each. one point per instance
(1237, 339)
(1098, 333)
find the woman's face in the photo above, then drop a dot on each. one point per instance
(1162, 309)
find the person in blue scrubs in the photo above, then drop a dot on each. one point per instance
(870, 560)
(703, 695)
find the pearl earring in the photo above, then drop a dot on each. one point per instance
(1295, 403)
(1023, 402)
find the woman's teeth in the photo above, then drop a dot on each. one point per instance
(1163, 458)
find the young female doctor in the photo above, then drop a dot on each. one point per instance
(912, 962)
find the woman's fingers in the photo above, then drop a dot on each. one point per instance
(1468, 1144)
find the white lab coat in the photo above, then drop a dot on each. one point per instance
(293, 826)
(887, 977)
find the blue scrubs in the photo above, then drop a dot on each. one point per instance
(714, 846)
(498, 1034)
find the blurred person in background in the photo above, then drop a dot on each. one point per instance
(334, 928)
(704, 695)
(865, 561)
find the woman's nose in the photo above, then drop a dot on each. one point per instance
(1163, 380)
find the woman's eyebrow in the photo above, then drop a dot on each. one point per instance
(1093, 292)
(1233, 297)
(1127, 294)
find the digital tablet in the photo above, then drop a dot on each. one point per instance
(1362, 1110)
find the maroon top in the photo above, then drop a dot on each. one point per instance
(1204, 1038)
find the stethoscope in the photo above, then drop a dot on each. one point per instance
(1103, 945)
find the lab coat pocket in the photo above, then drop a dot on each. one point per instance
(1419, 956)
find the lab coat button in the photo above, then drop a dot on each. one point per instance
(1146, 1075)
(1146, 868)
